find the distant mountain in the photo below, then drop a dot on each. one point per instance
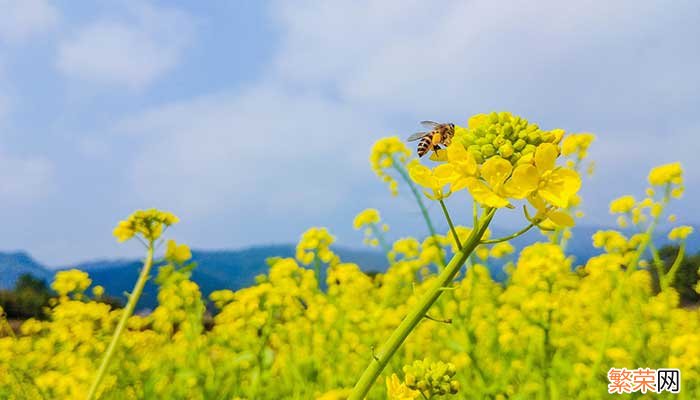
(235, 269)
(12, 265)
(224, 269)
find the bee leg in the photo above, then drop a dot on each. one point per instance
(437, 138)
(437, 147)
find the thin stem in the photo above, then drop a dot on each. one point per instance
(421, 205)
(415, 315)
(658, 263)
(509, 237)
(126, 313)
(449, 222)
(671, 275)
(632, 266)
(380, 238)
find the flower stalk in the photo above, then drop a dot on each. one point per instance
(409, 323)
(126, 313)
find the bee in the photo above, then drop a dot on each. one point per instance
(439, 134)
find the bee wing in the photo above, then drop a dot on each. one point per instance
(416, 136)
(429, 124)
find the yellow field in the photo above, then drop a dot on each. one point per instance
(553, 330)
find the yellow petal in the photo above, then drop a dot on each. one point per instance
(456, 152)
(483, 195)
(459, 184)
(458, 156)
(545, 157)
(537, 202)
(560, 186)
(523, 182)
(572, 181)
(561, 218)
(495, 171)
(445, 173)
(439, 156)
(421, 175)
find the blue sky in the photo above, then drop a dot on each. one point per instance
(253, 120)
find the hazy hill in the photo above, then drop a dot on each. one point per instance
(225, 269)
(12, 265)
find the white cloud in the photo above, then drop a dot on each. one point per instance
(462, 57)
(134, 51)
(296, 143)
(264, 148)
(22, 19)
(24, 179)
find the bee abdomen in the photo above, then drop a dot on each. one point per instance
(424, 145)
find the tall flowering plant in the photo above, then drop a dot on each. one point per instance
(498, 159)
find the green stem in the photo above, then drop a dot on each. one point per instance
(421, 205)
(671, 275)
(317, 267)
(377, 365)
(126, 313)
(658, 263)
(509, 237)
(650, 231)
(449, 222)
(380, 238)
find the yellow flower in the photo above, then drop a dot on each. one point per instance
(622, 205)
(680, 232)
(315, 245)
(500, 250)
(385, 153)
(430, 179)
(177, 253)
(500, 180)
(666, 174)
(366, 217)
(147, 223)
(72, 280)
(556, 185)
(397, 390)
(98, 291)
(500, 185)
(577, 143)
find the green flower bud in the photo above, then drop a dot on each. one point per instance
(508, 130)
(529, 149)
(488, 150)
(498, 141)
(534, 138)
(504, 134)
(519, 144)
(547, 137)
(506, 150)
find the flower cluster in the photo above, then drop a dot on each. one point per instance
(503, 134)
(314, 246)
(370, 220)
(149, 224)
(431, 378)
(496, 178)
(71, 281)
(388, 153)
